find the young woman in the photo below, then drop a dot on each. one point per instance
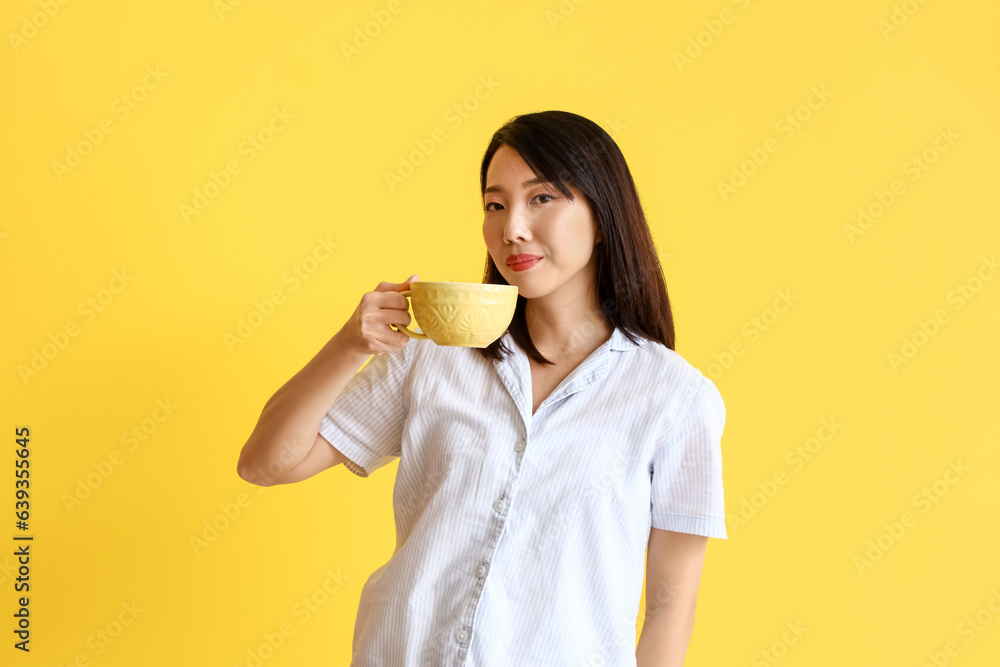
(535, 475)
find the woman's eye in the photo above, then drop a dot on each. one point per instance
(547, 196)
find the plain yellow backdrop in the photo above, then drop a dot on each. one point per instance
(197, 194)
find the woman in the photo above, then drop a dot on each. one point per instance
(536, 474)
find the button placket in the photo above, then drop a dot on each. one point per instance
(500, 505)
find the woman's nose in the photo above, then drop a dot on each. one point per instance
(516, 226)
(514, 231)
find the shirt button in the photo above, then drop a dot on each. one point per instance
(481, 570)
(519, 447)
(461, 636)
(499, 505)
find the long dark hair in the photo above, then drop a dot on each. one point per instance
(565, 148)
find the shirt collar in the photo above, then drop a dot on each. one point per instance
(619, 341)
(516, 373)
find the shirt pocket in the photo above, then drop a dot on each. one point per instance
(459, 450)
(446, 466)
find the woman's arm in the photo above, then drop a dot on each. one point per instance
(285, 446)
(673, 572)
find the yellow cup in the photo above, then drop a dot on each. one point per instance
(461, 314)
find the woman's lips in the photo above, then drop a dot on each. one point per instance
(524, 265)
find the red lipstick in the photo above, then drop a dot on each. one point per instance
(522, 262)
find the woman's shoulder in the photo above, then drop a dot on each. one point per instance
(669, 365)
(444, 359)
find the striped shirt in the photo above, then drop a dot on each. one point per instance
(520, 537)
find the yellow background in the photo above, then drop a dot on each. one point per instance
(894, 75)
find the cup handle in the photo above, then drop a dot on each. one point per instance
(406, 330)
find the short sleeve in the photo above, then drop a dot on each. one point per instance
(366, 421)
(686, 492)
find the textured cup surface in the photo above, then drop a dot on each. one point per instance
(462, 314)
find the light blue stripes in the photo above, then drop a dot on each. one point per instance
(520, 538)
(685, 494)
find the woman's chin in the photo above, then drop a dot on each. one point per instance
(529, 292)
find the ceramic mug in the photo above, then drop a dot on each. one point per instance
(460, 314)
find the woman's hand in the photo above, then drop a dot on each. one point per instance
(368, 331)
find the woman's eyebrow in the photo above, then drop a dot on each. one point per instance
(526, 184)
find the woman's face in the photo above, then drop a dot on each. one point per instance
(522, 217)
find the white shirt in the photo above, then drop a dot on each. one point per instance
(520, 538)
